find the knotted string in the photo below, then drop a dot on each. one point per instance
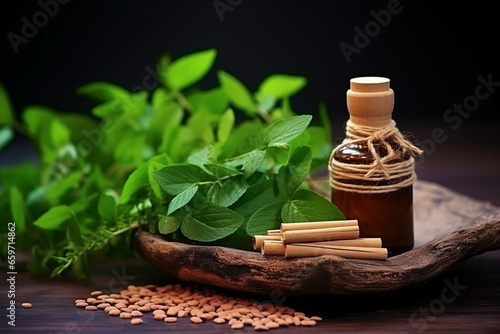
(389, 167)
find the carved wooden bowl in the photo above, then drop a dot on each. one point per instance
(449, 228)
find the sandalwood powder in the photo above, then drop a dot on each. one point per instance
(372, 171)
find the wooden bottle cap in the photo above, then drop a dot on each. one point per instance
(370, 101)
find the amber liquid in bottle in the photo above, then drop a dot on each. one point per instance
(387, 215)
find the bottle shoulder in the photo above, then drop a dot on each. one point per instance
(360, 153)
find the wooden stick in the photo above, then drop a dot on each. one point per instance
(314, 225)
(321, 234)
(273, 247)
(306, 250)
(257, 240)
(274, 232)
(360, 242)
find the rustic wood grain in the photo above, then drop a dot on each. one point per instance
(449, 228)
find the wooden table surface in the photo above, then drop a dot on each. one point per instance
(466, 300)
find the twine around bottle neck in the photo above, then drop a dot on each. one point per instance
(397, 171)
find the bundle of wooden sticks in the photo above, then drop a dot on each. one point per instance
(340, 238)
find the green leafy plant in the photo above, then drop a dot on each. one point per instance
(213, 166)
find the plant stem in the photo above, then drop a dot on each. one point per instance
(316, 187)
(183, 101)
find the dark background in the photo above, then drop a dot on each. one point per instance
(432, 52)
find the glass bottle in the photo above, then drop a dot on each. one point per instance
(388, 215)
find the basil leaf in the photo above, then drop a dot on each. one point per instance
(182, 199)
(213, 101)
(59, 188)
(306, 205)
(54, 218)
(225, 126)
(265, 218)
(101, 91)
(189, 69)
(210, 223)
(168, 224)
(284, 130)
(252, 162)
(175, 179)
(237, 93)
(107, 205)
(281, 85)
(17, 208)
(6, 135)
(6, 111)
(137, 180)
(291, 175)
(226, 192)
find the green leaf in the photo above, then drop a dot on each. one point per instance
(226, 192)
(210, 223)
(54, 218)
(213, 101)
(237, 92)
(284, 130)
(281, 85)
(101, 91)
(74, 233)
(306, 205)
(252, 162)
(189, 69)
(267, 217)
(174, 179)
(59, 188)
(203, 157)
(182, 199)
(168, 224)
(60, 135)
(226, 124)
(137, 180)
(154, 164)
(6, 111)
(292, 174)
(6, 135)
(17, 208)
(107, 205)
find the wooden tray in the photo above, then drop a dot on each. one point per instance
(449, 228)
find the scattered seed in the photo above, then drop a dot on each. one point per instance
(26, 305)
(136, 313)
(114, 312)
(237, 325)
(170, 302)
(125, 315)
(196, 320)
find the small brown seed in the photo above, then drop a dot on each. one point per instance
(81, 304)
(237, 325)
(91, 300)
(247, 321)
(316, 318)
(296, 321)
(196, 320)
(80, 301)
(114, 312)
(272, 325)
(26, 305)
(308, 323)
(125, 315)
(160, 316)
(136, 321)
(120, 305)
(96, 293)
(206, 316)
(136, 313)
(103, 305)
(155, 312)
(219, 320)
(170, 319)
(182, 314)
(109, 308)
(91, 308)
(261, 328)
